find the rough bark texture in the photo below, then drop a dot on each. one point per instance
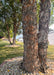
(43, 31)
(30, 60)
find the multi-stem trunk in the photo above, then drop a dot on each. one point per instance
(29, 20)
(44, 18)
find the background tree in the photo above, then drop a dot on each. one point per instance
(1, 31)
(11, 15)
(16, 16)
(5, 19)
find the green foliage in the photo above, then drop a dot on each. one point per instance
(38, 9)
(11, 33)
(10, 15)
(1, 34)
(1, 31)
(52, 13)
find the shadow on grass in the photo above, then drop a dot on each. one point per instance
(10, 56)
(50, 55)
(10, 52)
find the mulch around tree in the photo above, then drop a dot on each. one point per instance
(11, 67)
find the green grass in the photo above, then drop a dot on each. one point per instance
(50, 52)
(3, 43)
(11, 52)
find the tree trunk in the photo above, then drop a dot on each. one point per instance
(8, 30)
(30, 59)
(44, 19)
(14, 32)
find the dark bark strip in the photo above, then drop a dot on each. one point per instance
(44, 19)
(14, 36)
(30, 60)
(8, 30)
(15, 28)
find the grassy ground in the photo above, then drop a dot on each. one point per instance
(50, 52)
(10, 52)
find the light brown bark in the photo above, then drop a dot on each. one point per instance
(30, 59)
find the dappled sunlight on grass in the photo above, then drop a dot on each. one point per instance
(11, 52)
(6, 53)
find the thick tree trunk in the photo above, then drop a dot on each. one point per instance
(8, 30)
(14, 34)
(43, 32)
(30, 60)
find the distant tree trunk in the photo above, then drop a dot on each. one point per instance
(15, 28)
(44, 19)
(8, 30)
(29, 20)
(14, 34)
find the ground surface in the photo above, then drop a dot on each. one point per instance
(11, 67)
(7, 52)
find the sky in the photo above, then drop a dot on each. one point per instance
(52, 26)
(19, 36)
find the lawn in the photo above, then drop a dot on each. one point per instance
(50, 52)
(11, 52)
